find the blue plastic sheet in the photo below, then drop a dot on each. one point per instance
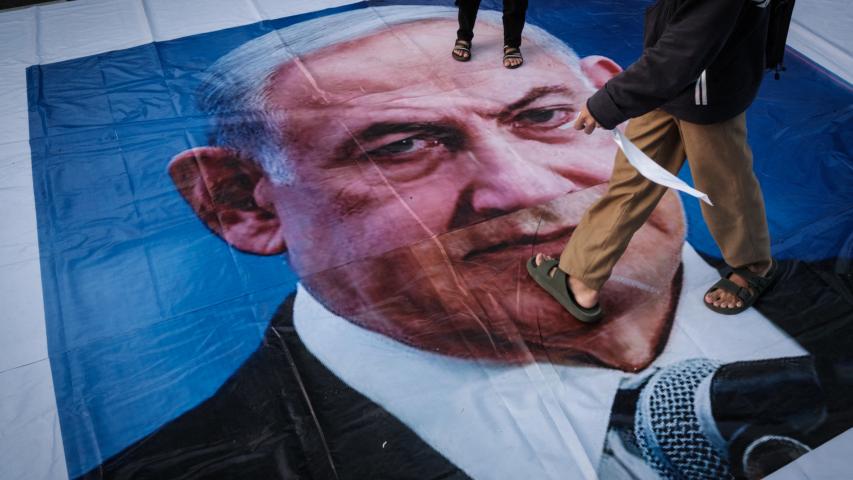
(372, 318)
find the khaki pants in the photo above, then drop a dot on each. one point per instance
(721, 163)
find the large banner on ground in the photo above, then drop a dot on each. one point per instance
(263, 239)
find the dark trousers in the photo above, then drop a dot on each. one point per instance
(514, 11)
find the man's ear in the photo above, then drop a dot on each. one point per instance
(599, 69)
(231, 196)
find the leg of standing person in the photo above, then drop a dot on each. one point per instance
(514, 14)
(721, 162)
(603, 233)
(467, 16)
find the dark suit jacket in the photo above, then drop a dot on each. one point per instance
(282, 414)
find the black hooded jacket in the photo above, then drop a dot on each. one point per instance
(703, 61)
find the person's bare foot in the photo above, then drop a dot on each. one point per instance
(723, 299)
(584, 296)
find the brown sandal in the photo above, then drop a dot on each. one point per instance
(465, 47)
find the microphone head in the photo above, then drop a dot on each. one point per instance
(672, 428)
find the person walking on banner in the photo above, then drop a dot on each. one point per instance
(686, 96)
(514, 12)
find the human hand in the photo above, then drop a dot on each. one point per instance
(585, 121)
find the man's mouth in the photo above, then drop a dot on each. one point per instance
(523, 239)
(529, 227)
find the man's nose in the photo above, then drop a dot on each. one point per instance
(509, 180)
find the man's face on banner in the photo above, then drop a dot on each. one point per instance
(421, 186)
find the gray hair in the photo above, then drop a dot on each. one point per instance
(235, 89)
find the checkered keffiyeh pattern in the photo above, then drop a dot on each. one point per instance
(667, 429)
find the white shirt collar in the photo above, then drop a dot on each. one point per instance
(535, 421)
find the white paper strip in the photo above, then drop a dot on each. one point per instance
(646, 166)
(651, 170)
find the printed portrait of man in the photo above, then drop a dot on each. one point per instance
(407, 190)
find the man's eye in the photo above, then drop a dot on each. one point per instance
(404, 146)
(542, 117)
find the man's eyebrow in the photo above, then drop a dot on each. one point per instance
(381, 129)
(531, 96)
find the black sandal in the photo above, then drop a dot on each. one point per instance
(757, 285)
(558, 288)
(512, 52)
(463, 45)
